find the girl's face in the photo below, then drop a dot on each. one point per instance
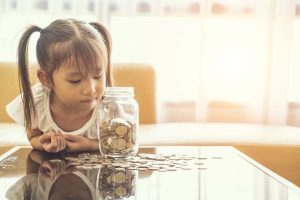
(78, 91)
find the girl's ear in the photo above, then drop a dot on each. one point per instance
(43, 77)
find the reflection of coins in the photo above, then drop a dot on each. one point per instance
(109, 140)
(120, 191)
(108, 179)
(119, 177)
(141, 162)
(55, 161)
(60, 165)
(115, 184)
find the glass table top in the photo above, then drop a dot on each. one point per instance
(202, 173)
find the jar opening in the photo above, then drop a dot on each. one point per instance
(118, 91)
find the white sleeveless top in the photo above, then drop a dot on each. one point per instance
(44, 120)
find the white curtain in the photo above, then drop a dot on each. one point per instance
(255, 62)
(233, 66)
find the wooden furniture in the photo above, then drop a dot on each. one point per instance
(284, 161)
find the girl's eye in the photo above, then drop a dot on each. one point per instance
(75, 81)
(98, 77)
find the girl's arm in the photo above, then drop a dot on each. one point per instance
(33, 137)
(76, 143)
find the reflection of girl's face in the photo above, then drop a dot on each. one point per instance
(68, 187)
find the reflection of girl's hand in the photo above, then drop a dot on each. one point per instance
(52, 169)
(69, 168)
(53, 142)
(48, 171)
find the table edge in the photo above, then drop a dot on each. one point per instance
(267, 171)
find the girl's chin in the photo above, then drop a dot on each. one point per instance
(89, 104)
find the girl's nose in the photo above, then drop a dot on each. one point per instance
(89, 86)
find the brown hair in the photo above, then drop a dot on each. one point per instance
(66, 41)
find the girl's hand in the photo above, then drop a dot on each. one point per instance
(75, 143)
(53, 142)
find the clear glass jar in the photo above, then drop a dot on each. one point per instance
(119, 123)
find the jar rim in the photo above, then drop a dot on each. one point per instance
(119, 89)
(119, 92)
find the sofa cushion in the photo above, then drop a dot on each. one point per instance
(12, 134)
(232, 134)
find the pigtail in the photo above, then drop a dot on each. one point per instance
(24, 80)
(107, 40)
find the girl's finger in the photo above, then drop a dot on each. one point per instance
(71, 138)
(59, 143)
(53, 141)
(58, 132)
(63, 142)
(44, 138)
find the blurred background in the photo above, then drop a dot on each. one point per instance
(215, 60)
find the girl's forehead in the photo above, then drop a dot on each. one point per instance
(81, 64)
(79, 69)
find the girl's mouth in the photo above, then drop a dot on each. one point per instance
(89, 100)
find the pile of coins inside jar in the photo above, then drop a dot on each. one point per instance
(117, 184)
(118, 138)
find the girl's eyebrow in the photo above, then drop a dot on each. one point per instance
(73, 74)
(98, 70)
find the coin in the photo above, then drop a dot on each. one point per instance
(105, 125)
(118, 144)
(121, 130)
(129, 145)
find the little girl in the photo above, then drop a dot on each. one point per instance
(60, 112)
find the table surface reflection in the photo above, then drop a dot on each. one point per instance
(225, 174)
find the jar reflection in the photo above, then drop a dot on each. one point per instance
(116, 183)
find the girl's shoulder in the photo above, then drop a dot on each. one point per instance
(38, 91)
(39, 97)
(15, 108)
